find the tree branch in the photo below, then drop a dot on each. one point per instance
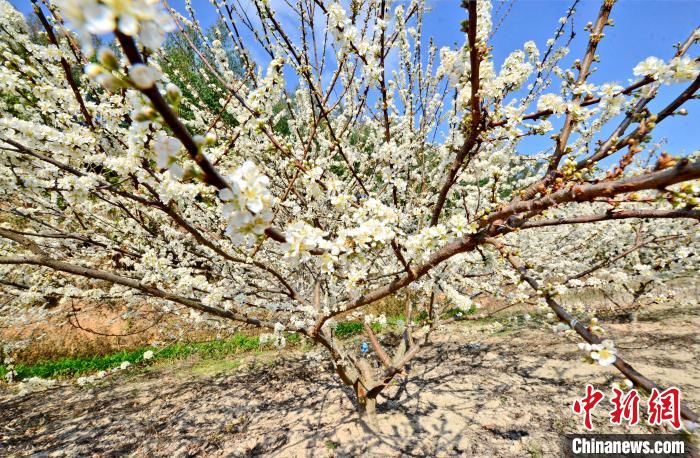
(614, 215)
(625, 368)
(475, 121)
(111, 277)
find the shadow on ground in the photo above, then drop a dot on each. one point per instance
(472, 393)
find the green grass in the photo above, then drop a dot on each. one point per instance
(74, 366)
(347, 329)
(351, 328)
(238, 343)
(331, 445)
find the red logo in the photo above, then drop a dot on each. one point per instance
(626, 407)
(665, 406)
(662, 406)
(587, 404)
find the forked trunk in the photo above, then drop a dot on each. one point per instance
(366, 405)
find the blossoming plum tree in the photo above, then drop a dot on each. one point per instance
(394, 169)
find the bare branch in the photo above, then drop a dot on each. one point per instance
(614, 215)
(621, 365)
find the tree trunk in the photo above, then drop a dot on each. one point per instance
(366, 406)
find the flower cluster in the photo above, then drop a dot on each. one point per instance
(167, 148)
(604, 353)
(460, 301)
(247, 203)
(276, 338)
(301, 238)
(677, 70)
(146, 19)
(553, 102)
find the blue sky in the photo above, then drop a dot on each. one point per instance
(642, 28)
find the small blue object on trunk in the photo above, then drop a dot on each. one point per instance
(364, 347)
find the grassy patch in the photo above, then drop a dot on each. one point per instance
(351, 328)
(331, 445)
(348, 328)
(75, 366)
(69, 367)
(215, 349)
(212, 367)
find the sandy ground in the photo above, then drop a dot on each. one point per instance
(475, 392)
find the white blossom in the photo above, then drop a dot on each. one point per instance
(145, 18)
(552, 102)
(653, 67)
(143, 76)
(604, 353)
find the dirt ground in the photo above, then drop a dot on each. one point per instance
(475, 392)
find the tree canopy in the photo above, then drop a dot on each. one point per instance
(167, 168)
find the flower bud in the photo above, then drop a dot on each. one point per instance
(144, 114)
(210, 139)
(109, 82)
(198, 140)
(108, 59)
(92, 70)
(173, 93)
